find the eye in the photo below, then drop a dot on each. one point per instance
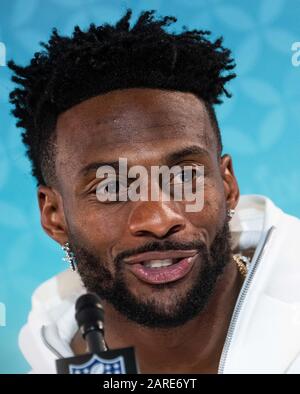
(110, 190)
(186, 175)
(183, 176)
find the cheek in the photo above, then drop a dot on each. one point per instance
(213, 213)
(99, 228)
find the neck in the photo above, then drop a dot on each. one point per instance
(197, 344)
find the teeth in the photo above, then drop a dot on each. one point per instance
(158, 263)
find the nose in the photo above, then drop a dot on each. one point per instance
(156, 219)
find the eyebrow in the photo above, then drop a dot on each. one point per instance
(186, 151)
(95, 165)
(170, 158)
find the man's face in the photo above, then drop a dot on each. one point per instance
(114, 241)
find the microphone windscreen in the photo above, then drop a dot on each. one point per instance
(88, 309)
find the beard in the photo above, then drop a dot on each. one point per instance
(179, 307)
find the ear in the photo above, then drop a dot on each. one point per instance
(231, 188)
(52, 214)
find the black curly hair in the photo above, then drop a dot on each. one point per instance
(69, 70)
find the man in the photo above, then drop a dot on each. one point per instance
(173, 283)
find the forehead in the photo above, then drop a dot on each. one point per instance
(131, 121)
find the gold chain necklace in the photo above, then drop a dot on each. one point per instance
(242, 263)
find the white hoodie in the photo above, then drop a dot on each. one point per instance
(264, 333)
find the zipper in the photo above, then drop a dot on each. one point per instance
(240, 303)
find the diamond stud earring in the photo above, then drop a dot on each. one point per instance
(69, 256)
(230, 213)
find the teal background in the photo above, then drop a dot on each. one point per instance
(260, 124)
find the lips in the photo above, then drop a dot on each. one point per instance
(162, 267)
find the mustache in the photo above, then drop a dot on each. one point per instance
(160, 247)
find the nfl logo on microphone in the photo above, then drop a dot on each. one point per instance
(98, 365)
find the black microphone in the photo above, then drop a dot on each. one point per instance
(90, 317)
(99, 360)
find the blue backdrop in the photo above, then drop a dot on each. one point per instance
(260, 124)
